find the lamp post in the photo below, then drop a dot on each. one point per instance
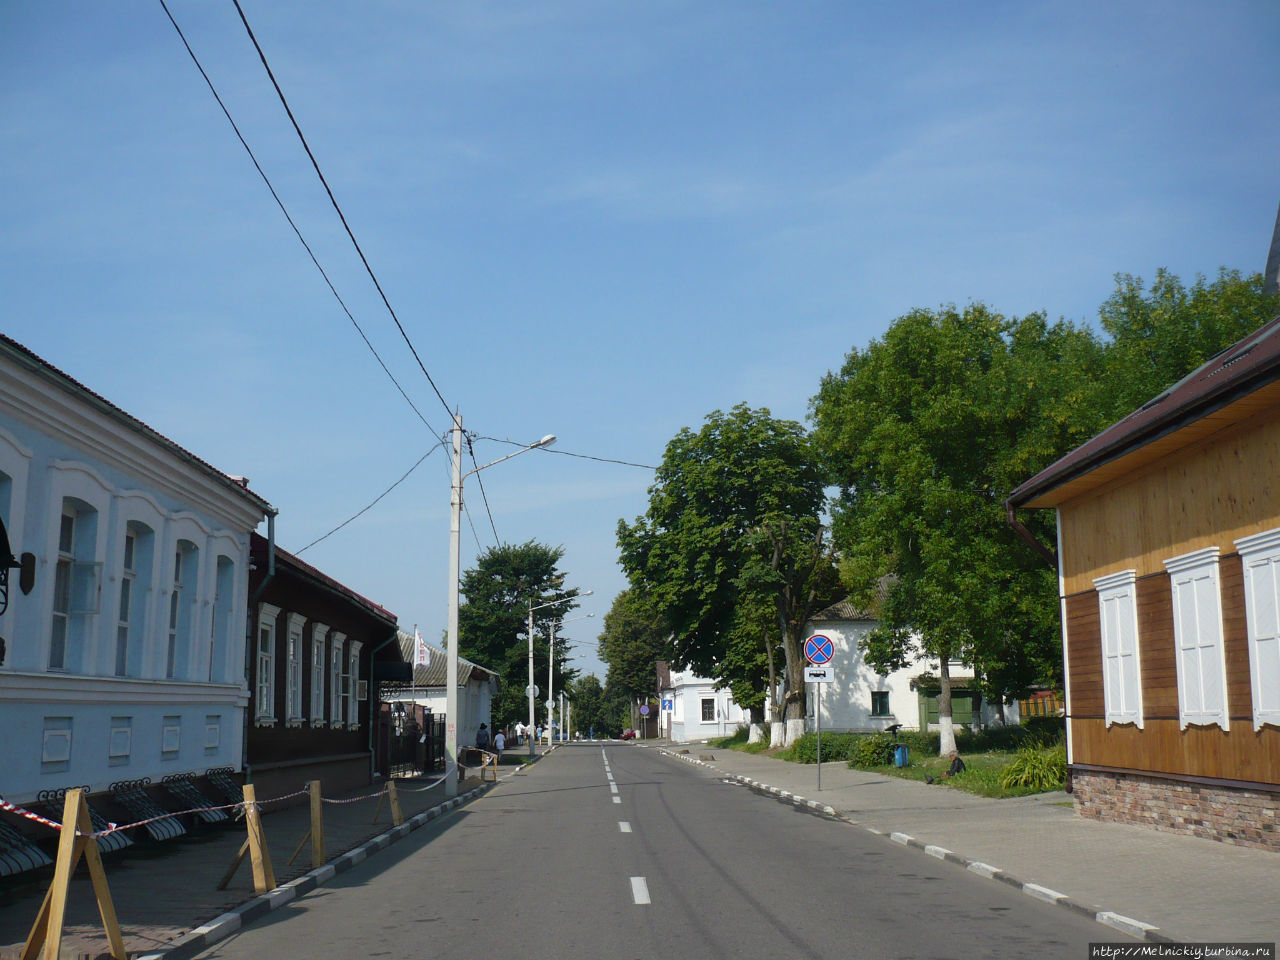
(455, 545)
(531, 690)
(551, 664)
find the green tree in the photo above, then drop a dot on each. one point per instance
(493, 620)
(1160, 335)
(586, 693)
(714, 492)
(634, 637)
(925, 432)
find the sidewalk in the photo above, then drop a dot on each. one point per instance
(1151, 884)
(163, 891)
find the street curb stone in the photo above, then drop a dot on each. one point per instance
(203, 937)
(1108, 918)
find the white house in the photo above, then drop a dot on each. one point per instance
(693, 709)
(861, 700)
(476, 687)
(127, 658)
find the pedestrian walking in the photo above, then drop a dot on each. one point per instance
(482, 737)
(499, 742)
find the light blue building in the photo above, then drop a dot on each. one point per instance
(127, 658)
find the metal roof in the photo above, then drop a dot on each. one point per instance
(435, 673)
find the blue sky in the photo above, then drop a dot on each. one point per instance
(599, 220)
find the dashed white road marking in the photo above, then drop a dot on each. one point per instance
(617, 799)
(608, 774)
(613, 788)
(624, 826)
(639, 891)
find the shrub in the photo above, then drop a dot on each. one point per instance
(835, 746)
(1036, 770)
(1046, 730)
(873, 751)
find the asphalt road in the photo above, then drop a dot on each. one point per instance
(614, 851)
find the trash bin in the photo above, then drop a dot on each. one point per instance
(900, 755)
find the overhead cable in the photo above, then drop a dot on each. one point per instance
(333, 200)
(405, 476)
(280, 203)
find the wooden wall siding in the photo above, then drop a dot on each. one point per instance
(1208, 494)
(1161, 746)
(1237, 754)
(1084, 657)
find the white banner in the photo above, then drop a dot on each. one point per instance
(421, 653)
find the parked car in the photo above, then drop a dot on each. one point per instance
(628, 734)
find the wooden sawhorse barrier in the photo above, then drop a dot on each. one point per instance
(77, 841)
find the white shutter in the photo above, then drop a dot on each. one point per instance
(1261, 557)
(1121, 664)
(1197, 633)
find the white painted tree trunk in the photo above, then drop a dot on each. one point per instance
(795, 730)
(946, 736)
(777, 733)
(755, 733)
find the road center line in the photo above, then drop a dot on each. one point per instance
(617, 799)
(613, 788)
(624, 826)
(639, 891)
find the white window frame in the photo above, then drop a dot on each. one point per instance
(264, 698)
(353, 676)
(1199, 648)
(715, 709)
(319, 659)
(336, 720)
(1121, 660)
(1260, 557)
(293, 674)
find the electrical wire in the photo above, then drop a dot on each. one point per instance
(333, 200)
(405, 476)
(280, 203)
(483, 496)
(566, 453)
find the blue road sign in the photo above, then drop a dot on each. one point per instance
(668, 704)
(819, 649)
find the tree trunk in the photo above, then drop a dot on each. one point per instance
(777, 734)
(755, 732)
(946, 733)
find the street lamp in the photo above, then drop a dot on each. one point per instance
(532, 718)
(551, 664)
(455, 528)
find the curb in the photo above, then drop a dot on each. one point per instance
(219, 928)
(1108, 918)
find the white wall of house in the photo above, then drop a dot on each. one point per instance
(127, 658)
(861, 700)
(699, 711)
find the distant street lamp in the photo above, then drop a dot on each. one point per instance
(455, 545)
(532, 691)
(551, 663)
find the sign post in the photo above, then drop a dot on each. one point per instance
(818, 650)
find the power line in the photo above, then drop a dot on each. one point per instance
(333, 200)
(405, 476)
(280, 203)
(483, 496)
(566, 453)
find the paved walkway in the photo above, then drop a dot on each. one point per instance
(163, 891)
(1152, 884)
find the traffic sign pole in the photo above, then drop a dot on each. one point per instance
(818, 650)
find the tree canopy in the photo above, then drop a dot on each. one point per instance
(925, 431)
(493, 620)
(634, 637)
(716, 492)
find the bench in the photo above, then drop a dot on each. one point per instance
(133, 796)
(184, 790)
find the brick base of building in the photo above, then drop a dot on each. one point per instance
(1246, 817)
